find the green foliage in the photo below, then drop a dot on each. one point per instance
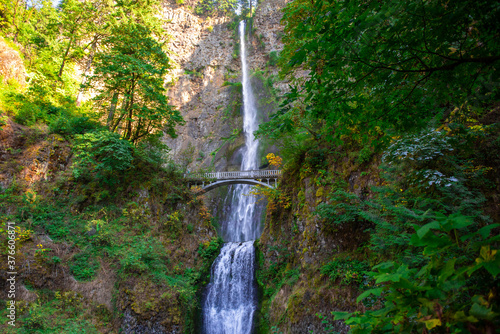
(372, 76)
(145, 255)
(84, 266)
(316, 158)
(349, 271)
(3, 121)
(103, 35)
(69, 125)
(153, 152)
(272, 277)
(104, 152)
(28, 109)
(35, 320)
(327, 327)
(237, 85)
(133, 97)
(215, 7)
(210, 250)
(440, 260)
(342, 207)
(65, 312)
(273, 58)
(436, 295)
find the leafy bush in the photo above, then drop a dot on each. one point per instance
(32, 106)
(102, 151)
(68, 125)
(84, 267)
(349, 271)
(210, 249)
(36, 320)
(152, 151)
(440, 260)
(144, 255)
(451, 292)
(273, 58)
(342, 207)
(210, 7)
(316, 158)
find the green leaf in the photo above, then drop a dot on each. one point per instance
(458, 221)
(421, 232)
(388, 278)
(384, 265)
(448, 270)
(482, 312)
(430, 324)
(376, 292)
(485, 231)
(341, 315)
(460, 316)
(493, 267)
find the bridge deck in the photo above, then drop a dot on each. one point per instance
(247, 174)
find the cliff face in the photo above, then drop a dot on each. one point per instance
(204, 84)
(267, 38)
(202, 49)
(296, 244)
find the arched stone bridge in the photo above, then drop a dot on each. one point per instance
(209, 181)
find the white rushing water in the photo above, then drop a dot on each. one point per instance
(231, 296)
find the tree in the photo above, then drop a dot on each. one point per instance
(381, 66)
(215, 7)
(129, 76)
(80, 25)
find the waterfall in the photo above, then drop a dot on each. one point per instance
(231, 296)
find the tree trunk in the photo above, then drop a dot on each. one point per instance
(128, 133)
(64, 58)
(122, 114)
(112, 108)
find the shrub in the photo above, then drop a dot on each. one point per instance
(210, 249)
(35, 320)
(145, 255)
(67, 125)
(449, 292)
(102, 151)
(273, 58)
(84, 267)
(152, 151)
(349, 271)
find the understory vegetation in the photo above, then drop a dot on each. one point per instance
(116, 223)
(105, 225)
(391, 152)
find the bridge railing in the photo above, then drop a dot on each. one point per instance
(247, 174)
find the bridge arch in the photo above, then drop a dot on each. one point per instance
(221, 183)
(209, 181)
